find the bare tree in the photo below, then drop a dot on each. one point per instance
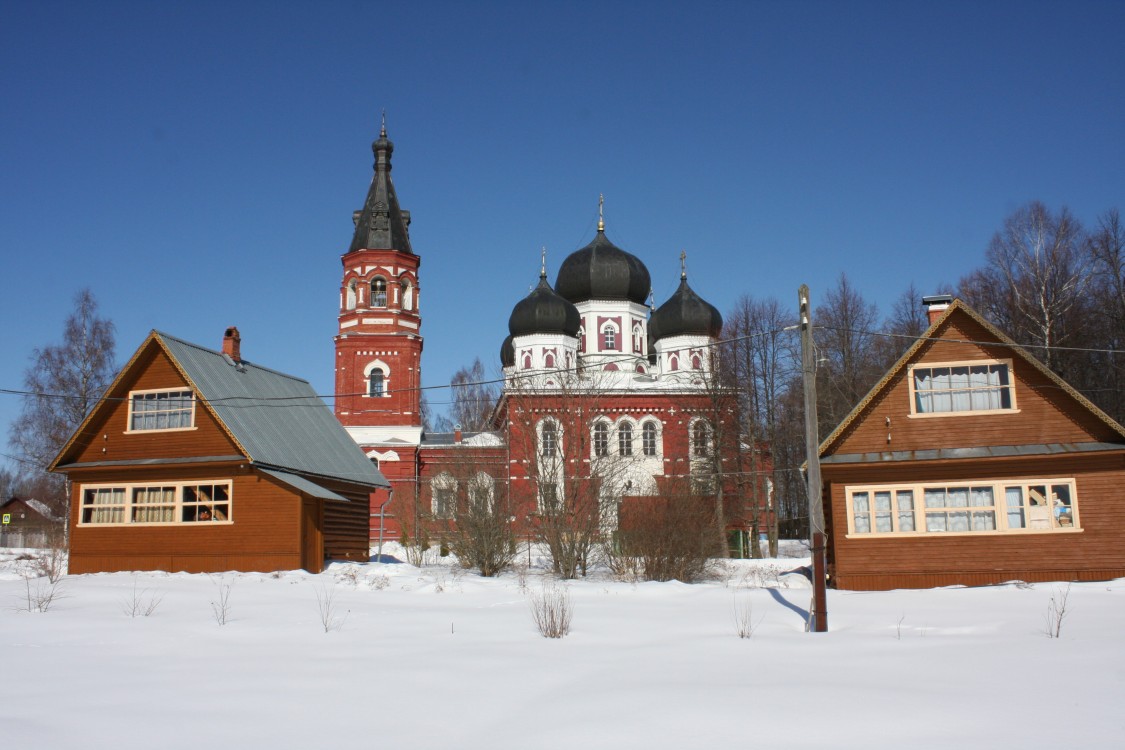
(1106, 246)
(63, 383)
(1033, 284)
(470, 509)
(473, 397)
(845, 326)
(759, 351)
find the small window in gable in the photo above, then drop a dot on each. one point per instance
(161, 410)
(962, 388)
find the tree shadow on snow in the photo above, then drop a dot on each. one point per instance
(386, 559)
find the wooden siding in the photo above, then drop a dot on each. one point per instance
(346, 535)
(1046, 413)
(1097, 552)
(108, 439)
(264, 534)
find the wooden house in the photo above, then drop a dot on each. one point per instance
(197, 460)
(972, 463)
(28, 523)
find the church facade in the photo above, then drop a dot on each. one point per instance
(607, 399)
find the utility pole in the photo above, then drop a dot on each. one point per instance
(818, 610)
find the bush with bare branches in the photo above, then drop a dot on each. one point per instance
(551, 610)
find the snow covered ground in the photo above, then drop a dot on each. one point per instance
(435, 657)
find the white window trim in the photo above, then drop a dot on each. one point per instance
(386, 370)
(443, 482)
(915, 414)
(129, 418)
(128, 504)
(1000, 508)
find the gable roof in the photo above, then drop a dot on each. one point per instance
(959, 307)
(276, 420)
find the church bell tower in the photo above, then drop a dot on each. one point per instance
(379, 342)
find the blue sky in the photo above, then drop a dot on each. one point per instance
(197, 165)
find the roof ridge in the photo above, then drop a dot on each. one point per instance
(217, 353)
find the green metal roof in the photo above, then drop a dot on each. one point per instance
(277, 418)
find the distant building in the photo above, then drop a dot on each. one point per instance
(598, 385)
(27, 523)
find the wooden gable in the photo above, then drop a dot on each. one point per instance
(1047, 411)
(105, 435)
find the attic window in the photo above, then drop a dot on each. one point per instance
(962, 388)
(161, 410)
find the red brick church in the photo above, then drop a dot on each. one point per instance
(603, 392)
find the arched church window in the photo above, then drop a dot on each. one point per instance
(526, 361)
(407, 295)
(601, 439)
(609, 338)
(696, 362)
(349, 296)
(581, 339)
(625, 439)
(673, 363)
(549, 437)
(376, 383)
(648, 438)
(549, 360)
(638, 345)
(700, 439)
(481, 494)
(378, 292)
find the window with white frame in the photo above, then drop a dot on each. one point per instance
(376, 385)
(649, 436)
(548, 439)
(625, 439)
(601, 439)
(609, 337)
(549, 501)
(165, 409)
(989, 506)
(378, 292)
(481, 492)
(700, 439)
(962, 388)
(444, 492)
(162, 503)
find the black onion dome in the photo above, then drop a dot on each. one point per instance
(507, 353)
(544, 311)
(601, 270)
(685, 313)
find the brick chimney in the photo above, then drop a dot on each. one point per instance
(232, 344)
(936, 305)
(457, 434)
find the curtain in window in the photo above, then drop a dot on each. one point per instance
(154, 504)
(883, 512)
(861, 513)
(960, 397)
(106, 505)
(905, 500)
(1017, 518)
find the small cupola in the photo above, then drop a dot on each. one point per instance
(544, 311)
(685, 313)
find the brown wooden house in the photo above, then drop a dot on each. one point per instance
(197, 460)
(972, 463)
(27, 523)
